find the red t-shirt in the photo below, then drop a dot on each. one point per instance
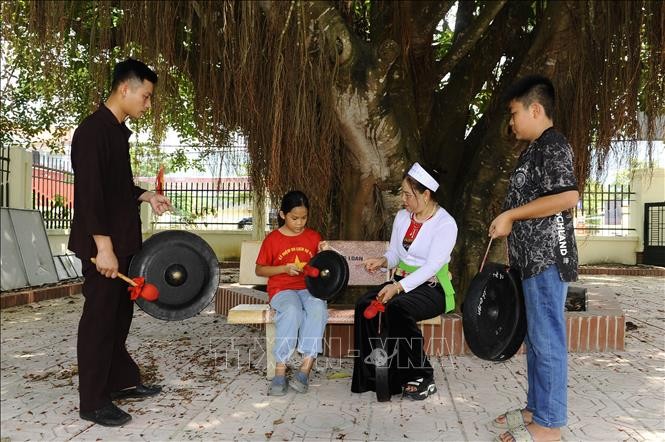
(278, 249)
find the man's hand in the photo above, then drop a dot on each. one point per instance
(159, 203)
(373, 264)
(501, 226)
(107, 263)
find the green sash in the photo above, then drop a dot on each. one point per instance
(444, 279)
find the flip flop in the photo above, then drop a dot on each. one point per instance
(519, 434)
(514, 419)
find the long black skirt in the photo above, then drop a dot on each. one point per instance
(403, 339)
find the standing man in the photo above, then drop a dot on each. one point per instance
(541, 244)
(107, 227)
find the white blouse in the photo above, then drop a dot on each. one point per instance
(430, 249)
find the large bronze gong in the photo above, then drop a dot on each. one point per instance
(185, 270)
(494, 318)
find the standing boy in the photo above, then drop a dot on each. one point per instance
(541, 245)
(107, 226)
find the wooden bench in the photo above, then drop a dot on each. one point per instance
(354, 251)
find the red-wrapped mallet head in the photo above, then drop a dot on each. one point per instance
(310, 271)
(145, 290)
(138, 287)
(373, 308)
(150, 292)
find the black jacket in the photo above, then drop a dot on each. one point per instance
(105, 197)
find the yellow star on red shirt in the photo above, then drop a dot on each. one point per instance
(298, 263)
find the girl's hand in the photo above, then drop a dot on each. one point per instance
(387, 293)
(292, 269)
(373, 264)
(323, 245)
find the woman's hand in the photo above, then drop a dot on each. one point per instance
(323, 245)
(373, 264)
(388, 292)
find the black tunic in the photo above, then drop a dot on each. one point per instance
(105, 197)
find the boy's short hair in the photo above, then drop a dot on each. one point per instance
(530, 89)
(132, 69)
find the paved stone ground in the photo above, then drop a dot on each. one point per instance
(215, 388)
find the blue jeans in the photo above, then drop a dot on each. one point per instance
(546, 357)
(300, 318)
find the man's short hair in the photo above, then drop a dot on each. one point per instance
(530, 89)
(132, 69)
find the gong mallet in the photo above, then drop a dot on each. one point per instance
(139, 287)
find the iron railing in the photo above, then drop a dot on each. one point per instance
(604, 210)
(53, 189)
(226, 203)
(4, 176)
(214, 203)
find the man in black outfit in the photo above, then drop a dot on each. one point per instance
(107, 227)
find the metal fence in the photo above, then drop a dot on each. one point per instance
(53, 189)
(224, 203)
(4, 176)
(604, 210)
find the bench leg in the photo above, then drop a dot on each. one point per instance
(270, 357)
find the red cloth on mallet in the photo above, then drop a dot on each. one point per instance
(310, 271)
(373, 308)
(159, 182)
(147, 291)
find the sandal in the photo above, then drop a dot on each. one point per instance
(519, 434)
(423, 389)
(513, 419)
(300, 382)
(279, 386)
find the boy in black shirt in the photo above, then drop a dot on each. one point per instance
(541, 245)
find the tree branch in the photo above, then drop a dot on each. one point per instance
(469, 37)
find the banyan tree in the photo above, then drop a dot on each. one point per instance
(338, 97)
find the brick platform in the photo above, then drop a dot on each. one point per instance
(622, 271)
(600, 328)
(13, 299)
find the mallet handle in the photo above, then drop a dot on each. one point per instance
(120, 275)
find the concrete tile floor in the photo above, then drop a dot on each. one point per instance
(215, 387)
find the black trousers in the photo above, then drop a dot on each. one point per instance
(103, 361)
(400, 330)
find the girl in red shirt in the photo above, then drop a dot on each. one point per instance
(300, 317)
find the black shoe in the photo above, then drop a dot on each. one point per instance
(422, 389)
(140, 391)
(108, 416)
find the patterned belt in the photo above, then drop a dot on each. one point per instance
(403, 274)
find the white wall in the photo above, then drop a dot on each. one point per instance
(606, 249)
(649, 187)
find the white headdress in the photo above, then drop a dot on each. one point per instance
(419, 174)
